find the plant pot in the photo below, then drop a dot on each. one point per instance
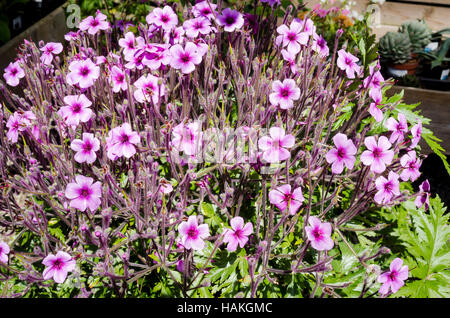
(435, 84)
(400, 70)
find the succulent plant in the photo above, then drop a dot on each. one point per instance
(419, 34)
(395, 47)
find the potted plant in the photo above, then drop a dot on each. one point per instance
(419, 34)
(436, 67)
(395, 50)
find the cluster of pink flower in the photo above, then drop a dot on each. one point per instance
(183, 50)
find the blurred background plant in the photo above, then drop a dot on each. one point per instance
(6, 7)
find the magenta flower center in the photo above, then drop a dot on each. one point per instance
(85, 192)
(284, 92)
(388, 186)
(76, 108)
(58, 264)
(87, 147)
(399, 127)
(348, 61)
(84, 71)
(287, 197)
(120, 78)
(198, 25)
(377, 152)
(291, 36)
(95, 23)
(124, 138)
(393, 275)
(375, 82)
(206, 11)
(185, 58)
(14, 71)
(238, 233)
(164, 18)
(229, 20)
(192, 233)
(321, 43)
(317, 233)
(341, 153)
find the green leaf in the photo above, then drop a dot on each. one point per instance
(426, 238)
(5, 33)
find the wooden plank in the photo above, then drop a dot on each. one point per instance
(445, 2)
(434, 105)
(397, 13)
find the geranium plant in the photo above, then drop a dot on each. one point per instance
(191, 159)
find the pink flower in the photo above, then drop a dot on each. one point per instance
(198, 25)
(343, 154)
(193, 234)
(13, 73)
(185, 59)
(411, 165)
(378, 154)
(120, 142)
(85, 148)
(398, 128)
(238, 234)
(376, 112)
(320, 46)
(4, 251)
(128, 43)
(76, 109)
(83, 73)
(165, 187)
(284, 94)
(292, 37)
(387, 188)
(393, 279)
(49, 49)
(202, 47)
(308, 27)
(18, 122)
(58, 266)
(423, 197)
(148, 89)
(186, 137)
(118, 79)
(155, 56)
(373, 82)
(283, 198)
(347, 63)
(93, 25)
(164, 18)
(72, 36)
(204, 9)
(416, 132)
(319, 234)
(84, 194)
(175, 36)
(274, 147)
(291, 59)
(231, 20)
